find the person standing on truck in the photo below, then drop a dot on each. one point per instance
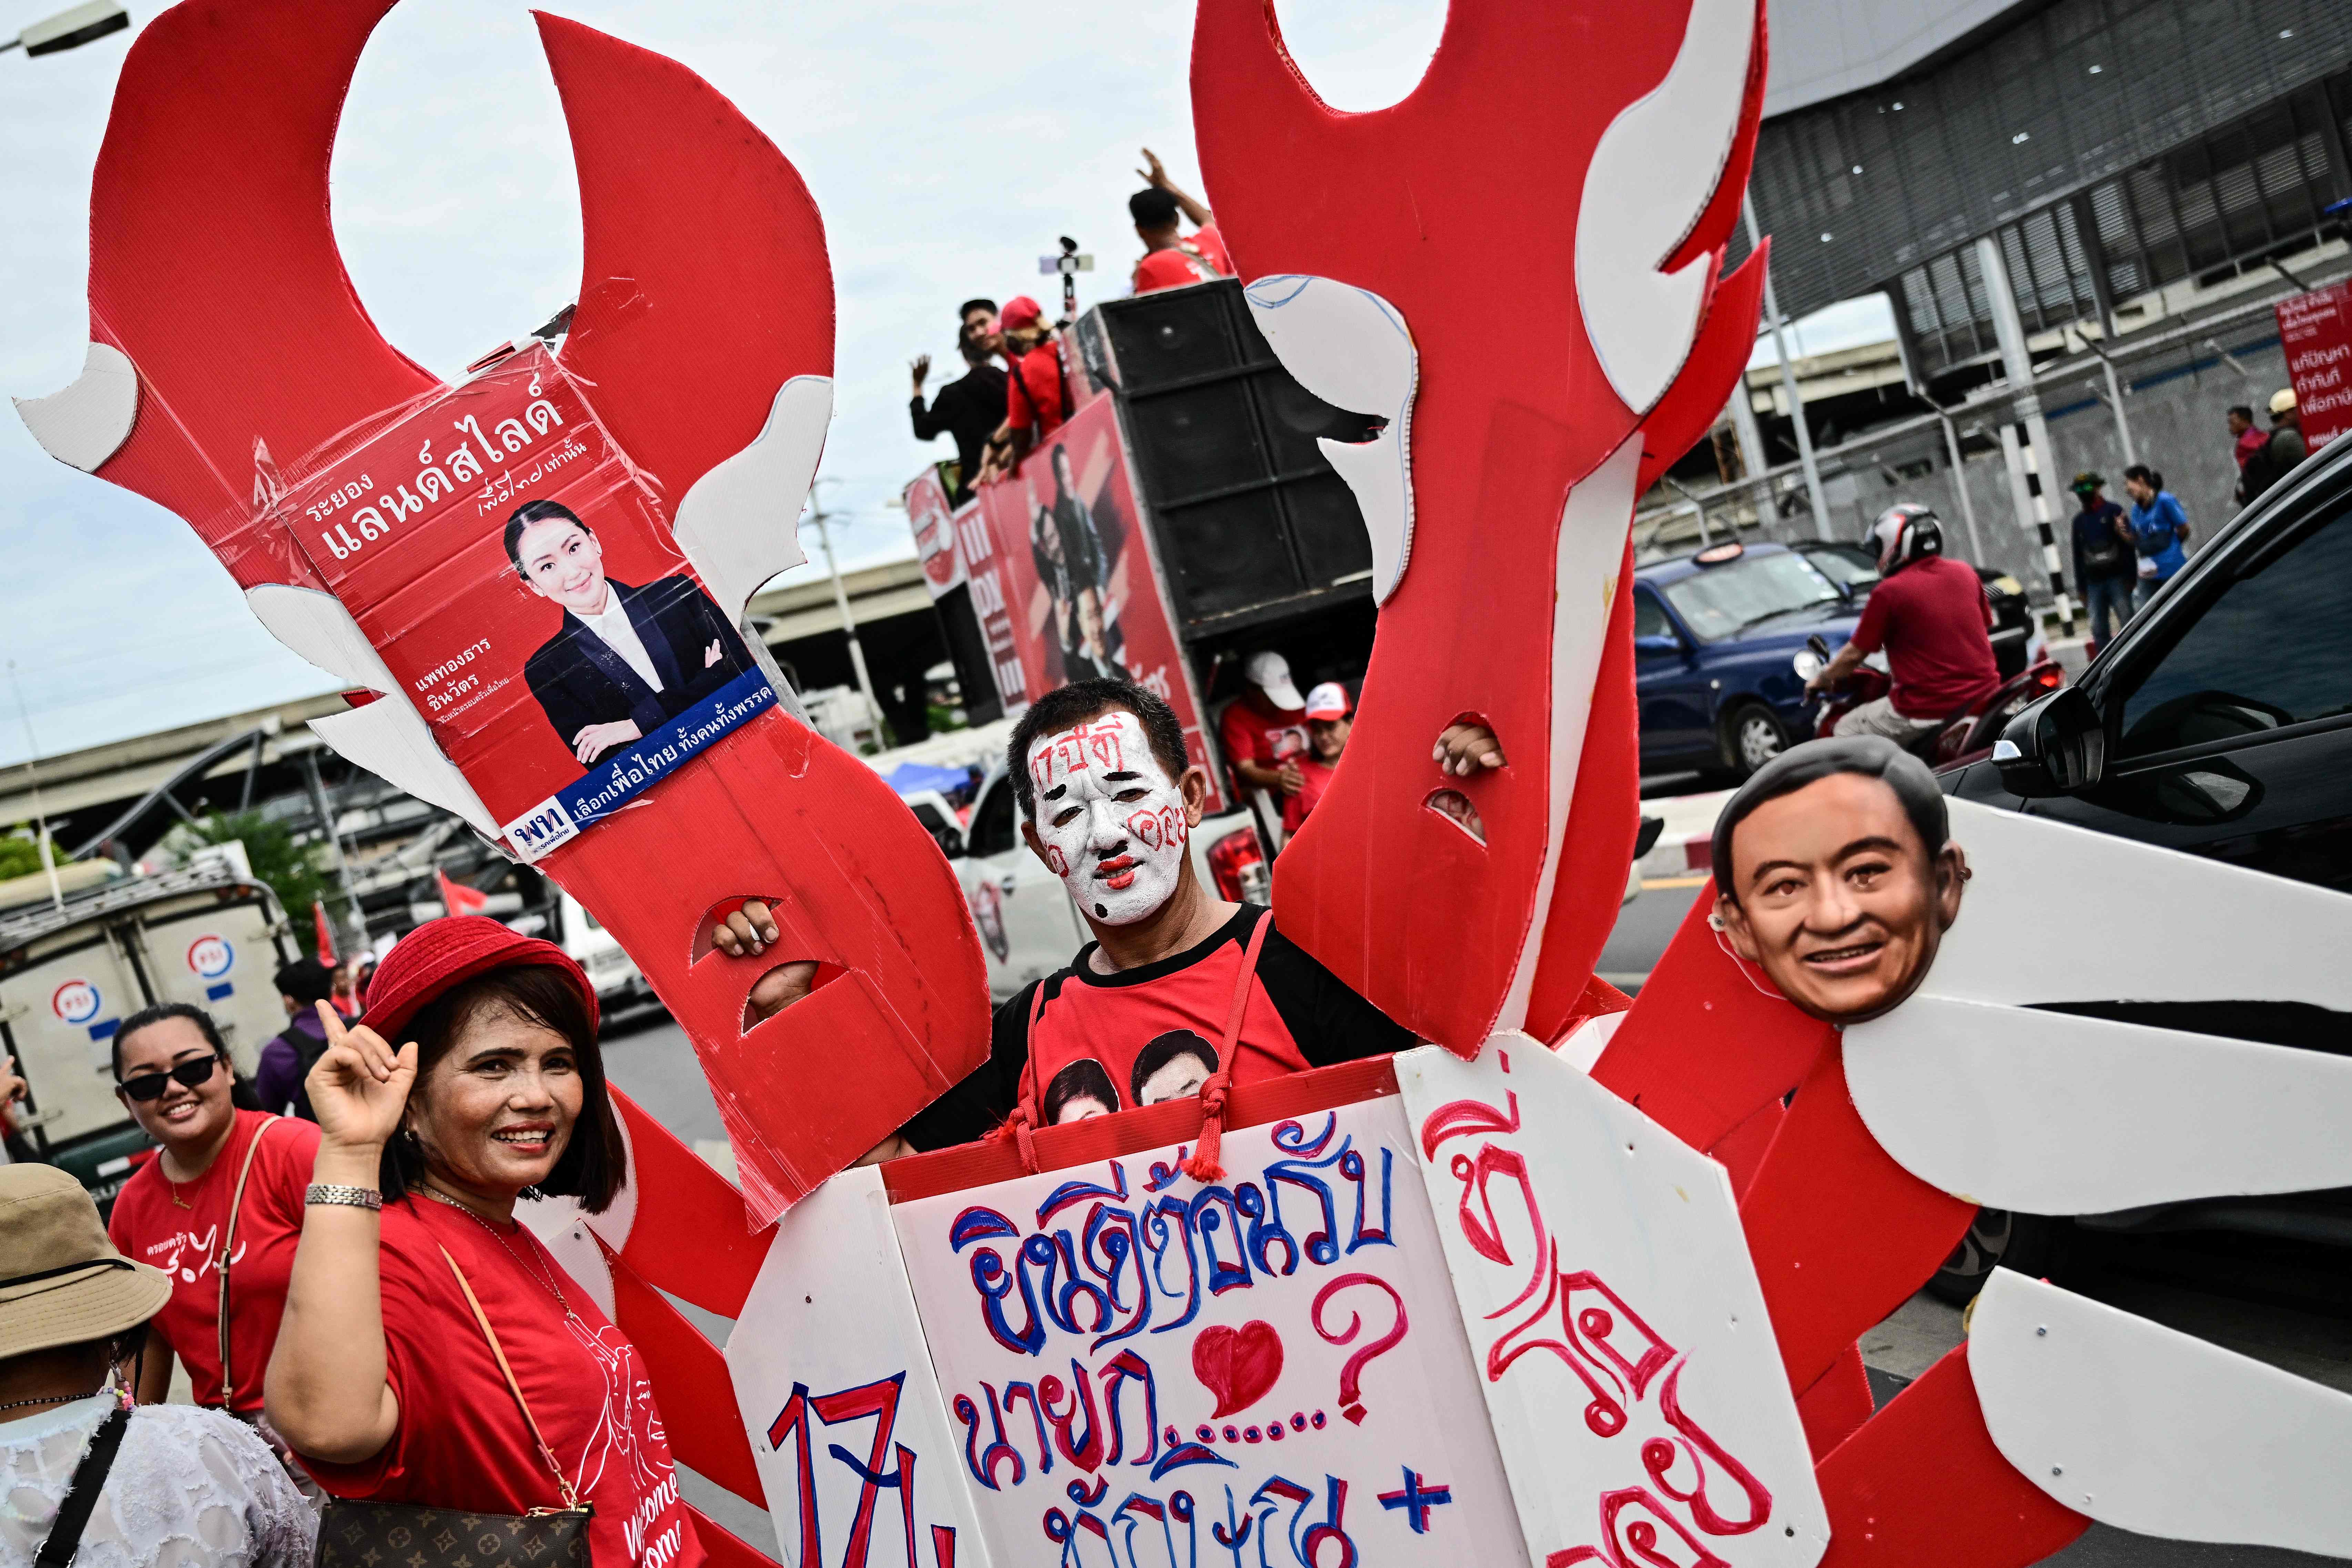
(1036, 389)
(970, 407)
(287, 1057)
(218, 1209)
(1108, 801)
(1263, 731)
(1172, 259)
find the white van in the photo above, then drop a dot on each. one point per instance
(615, 974)
(68, 977)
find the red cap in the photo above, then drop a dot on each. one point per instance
(441, 953)
(1020, 311)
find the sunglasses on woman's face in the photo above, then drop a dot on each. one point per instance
(149, 1086)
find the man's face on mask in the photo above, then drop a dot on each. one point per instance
(1837, 898)
(1108, 820)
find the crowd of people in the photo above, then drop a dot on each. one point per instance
(1015, 389)
(2122, 554)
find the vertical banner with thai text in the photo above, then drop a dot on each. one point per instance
(2316, 330)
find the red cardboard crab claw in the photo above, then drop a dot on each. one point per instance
(1544, 393)
(235, 378)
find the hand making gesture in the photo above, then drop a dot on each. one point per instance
(360, 1086)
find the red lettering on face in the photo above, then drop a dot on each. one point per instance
(1144, 827)
(1076, 749)
(1172, 826)
(1056, 861)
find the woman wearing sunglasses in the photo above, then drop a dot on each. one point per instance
(217, 1163)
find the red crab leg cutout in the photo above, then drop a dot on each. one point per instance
(233, 344)
(722, 1546)
(1837, 1404)
(1707, 1043)
(698, 1398)
(1499, 568)
(1922, 1486)
(1841, 1234)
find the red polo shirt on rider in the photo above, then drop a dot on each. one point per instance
(1932, 617)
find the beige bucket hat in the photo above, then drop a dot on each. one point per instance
(62, 1281)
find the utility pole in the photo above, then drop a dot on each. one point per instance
(33, 765)
(2032, 464)
(353, 921)
(818, 515)
(1788, 384)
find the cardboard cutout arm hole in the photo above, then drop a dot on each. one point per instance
(772, 906)
(781, 984)
(1455, 807)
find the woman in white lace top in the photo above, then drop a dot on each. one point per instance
(184, 1488)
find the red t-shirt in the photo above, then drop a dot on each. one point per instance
(148, 1226)
(1198, 257)
(1316, 776)
(1255, 730)
(1040, 371)
(1931, 618)
(2250, 441)
(461, 1442)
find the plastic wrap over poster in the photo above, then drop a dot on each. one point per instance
(1145, 1372)
(1067, 542)
(514, 568)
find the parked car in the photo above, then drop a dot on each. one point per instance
(2220, 723)
(1028, 926)
(1714, 635)
(1854, 569)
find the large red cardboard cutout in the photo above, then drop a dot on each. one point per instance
(1544, 404)
(260, 404)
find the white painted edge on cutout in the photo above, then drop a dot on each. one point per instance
(1353, 350)
(388, 740)
(85, 422)
(2049, 1113)
(2148, 1429)
(1653, 173)
(315, 625)
(1593, 524)
(739, 522)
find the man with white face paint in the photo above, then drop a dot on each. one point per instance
(1108, 800)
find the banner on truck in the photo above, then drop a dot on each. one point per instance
(1070, 555)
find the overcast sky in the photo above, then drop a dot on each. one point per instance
(947, 145)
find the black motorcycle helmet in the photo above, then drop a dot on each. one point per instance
(1902, 535)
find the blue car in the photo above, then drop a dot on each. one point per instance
(1714, 635)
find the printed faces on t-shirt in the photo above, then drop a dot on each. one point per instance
(1171, 1065)
(1111, 818)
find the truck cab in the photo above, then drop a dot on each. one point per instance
(210, 935)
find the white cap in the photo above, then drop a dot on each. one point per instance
(1270, 673)
(1328, 700)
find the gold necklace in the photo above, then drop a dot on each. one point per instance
(496, 1235)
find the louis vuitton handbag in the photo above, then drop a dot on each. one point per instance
(359, 1534)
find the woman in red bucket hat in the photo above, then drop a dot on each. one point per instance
(385, 1379)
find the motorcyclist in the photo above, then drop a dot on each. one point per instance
(1930, 615)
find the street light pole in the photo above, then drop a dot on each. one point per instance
(48, 861)
(1788, 384)
(849, 622)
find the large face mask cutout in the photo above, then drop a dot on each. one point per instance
(1110, 819)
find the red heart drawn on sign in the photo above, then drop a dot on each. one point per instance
(1237, 1366)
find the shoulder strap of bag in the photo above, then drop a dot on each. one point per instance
(81, 1496)
(571, 1499)
(1208, 1150)
(228, 1246)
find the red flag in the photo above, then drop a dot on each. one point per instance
(459, 899)
(326, 933)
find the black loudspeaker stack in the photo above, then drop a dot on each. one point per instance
(1251, 521)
